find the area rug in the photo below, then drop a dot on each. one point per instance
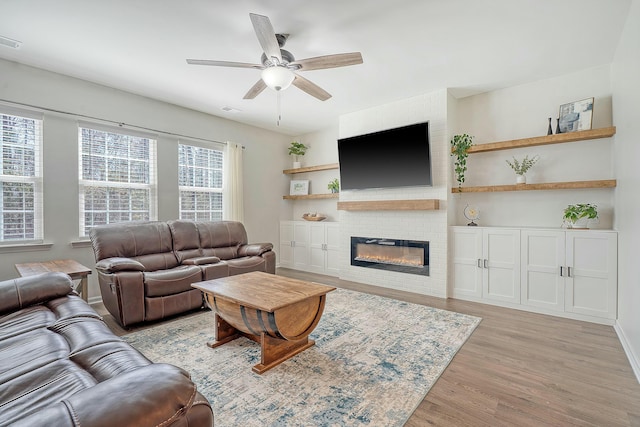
(374, 361)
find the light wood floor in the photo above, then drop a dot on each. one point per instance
(518, 369)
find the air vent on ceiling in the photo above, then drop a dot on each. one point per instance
(230, 109)
(14, 44)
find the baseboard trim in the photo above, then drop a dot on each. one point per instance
(633, 358)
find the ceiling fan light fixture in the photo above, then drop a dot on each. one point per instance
(278, 77)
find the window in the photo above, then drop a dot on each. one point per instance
(117, 177)
(21, 177)
(200, 183)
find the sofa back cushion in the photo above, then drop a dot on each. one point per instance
(148, 242)
(221, 238)
(186, 240)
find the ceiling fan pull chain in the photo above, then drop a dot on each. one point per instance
(278, 107)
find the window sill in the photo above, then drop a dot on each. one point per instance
(25, 247)
(81, 244)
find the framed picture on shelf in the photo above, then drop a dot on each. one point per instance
(299, 187)
(576, 116)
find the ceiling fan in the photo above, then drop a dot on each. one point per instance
(279, 67)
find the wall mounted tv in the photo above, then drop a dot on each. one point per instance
(398, 157)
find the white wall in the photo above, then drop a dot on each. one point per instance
(626, 92)
(428, 226)
(521, 112)
(264, 157)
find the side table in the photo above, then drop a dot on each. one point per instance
(74, 269)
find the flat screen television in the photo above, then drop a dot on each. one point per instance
(398, 157)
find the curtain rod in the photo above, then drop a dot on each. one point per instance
(119, 124)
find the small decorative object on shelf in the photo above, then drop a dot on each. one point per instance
(550, 129)
(472, 214)
(299, 187)
(313, 217)
(334, 186)
(577, 216)
(460, 144)
(297, 149)
(576, 116)
(521, 167)
(558, 130)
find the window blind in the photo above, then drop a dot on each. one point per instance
(200, 182)
(21, 206)
(117, 176)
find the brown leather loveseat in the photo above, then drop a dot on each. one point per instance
(60, 365)
(145, 269)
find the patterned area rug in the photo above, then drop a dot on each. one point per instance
(374, 361)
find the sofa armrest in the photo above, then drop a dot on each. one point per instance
(201, 260)
(154, 395)
(115, 264)
(254, 249)
(25, 291)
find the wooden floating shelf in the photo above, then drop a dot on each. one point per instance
(312, 196)
(390, 205)
(604, 183)
(312, 169)
(582, 135)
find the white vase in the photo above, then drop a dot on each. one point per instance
(296, 165)
(521, 179)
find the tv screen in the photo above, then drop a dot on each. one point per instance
(390, 158)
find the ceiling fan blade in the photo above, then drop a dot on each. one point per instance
(311, 88)
(266, 36)
(224, 63)
(329, 61)
(255, 90)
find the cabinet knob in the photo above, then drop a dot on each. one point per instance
(479, 263)
(561, 275)
(486, 263)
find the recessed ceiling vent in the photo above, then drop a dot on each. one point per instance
(13, 44)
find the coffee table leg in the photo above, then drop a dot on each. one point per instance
(224, 332)
(275, 351)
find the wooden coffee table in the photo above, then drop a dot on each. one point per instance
(72, 268)
(275, 311)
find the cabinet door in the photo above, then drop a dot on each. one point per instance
(332, 246)
(501, 262)
(301, 245)
(543, 257)
(592, 279)
(467, 262)
(317, 252)
(285, 256)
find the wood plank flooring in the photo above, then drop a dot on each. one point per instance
(518, 369)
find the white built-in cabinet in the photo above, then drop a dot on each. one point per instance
(310, 246)
(571, 273)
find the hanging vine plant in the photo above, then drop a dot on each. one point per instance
(460, 144)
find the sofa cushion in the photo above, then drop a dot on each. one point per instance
(169, 282)
(134, 240)
(186, 240)
(246, 265)
(217, 234)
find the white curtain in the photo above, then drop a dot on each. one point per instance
(232, 193)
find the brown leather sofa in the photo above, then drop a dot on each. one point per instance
(60, 365)
(145, 269)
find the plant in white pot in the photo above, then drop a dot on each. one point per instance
(520, 167)
(460, 144)
(578, 215)
(297, 149)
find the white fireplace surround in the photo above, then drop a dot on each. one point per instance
(428, 226)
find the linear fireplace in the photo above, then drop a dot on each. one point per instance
(405, 256)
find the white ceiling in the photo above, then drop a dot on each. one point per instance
(409, 47)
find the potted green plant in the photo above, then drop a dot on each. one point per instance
(460, 144)
(334, 186)
(297, 149)
(521, 167)
(579, 214)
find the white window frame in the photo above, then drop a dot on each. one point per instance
(201, 189)
(36, 180)
(84, 184)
